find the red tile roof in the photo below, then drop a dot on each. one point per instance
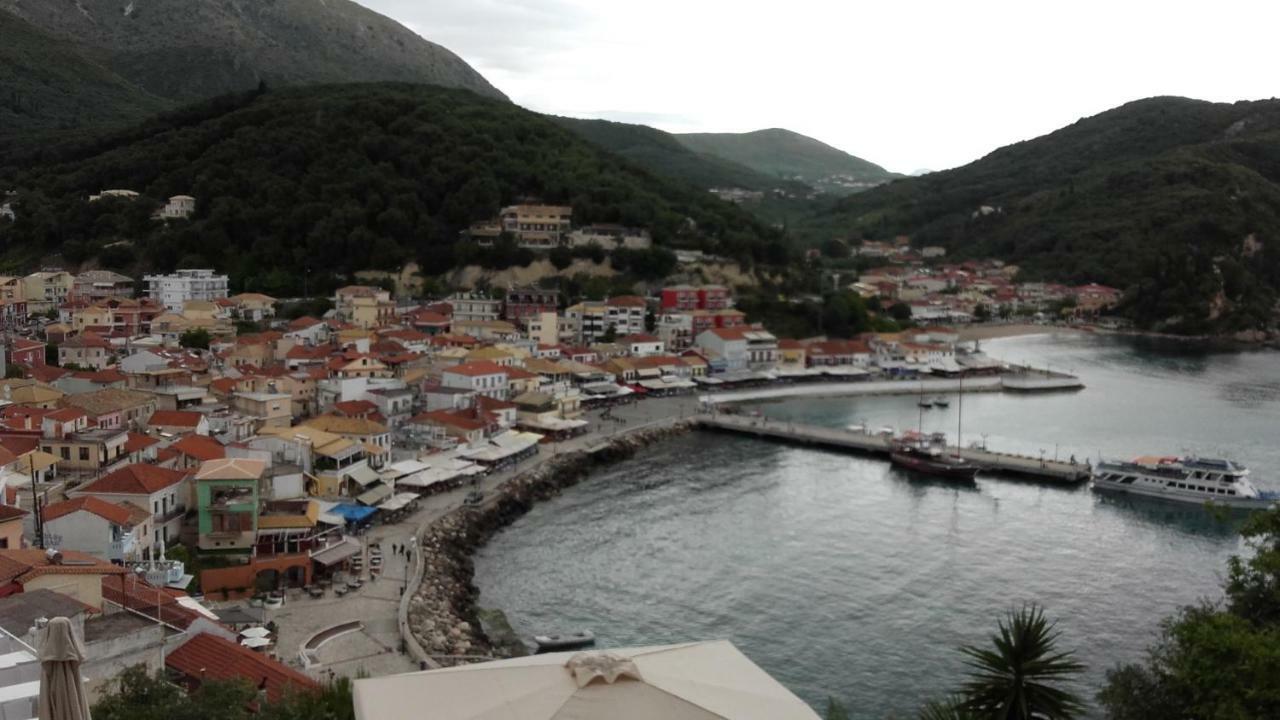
(200, 447)
(138, 441)
(449, 418)
(136, 479)
(134, 594)
(354, 408)
(210, 657)
(9, 512)
(108, 511)
(304, 322)
(627, 301)
(175, 418)
(30, 563)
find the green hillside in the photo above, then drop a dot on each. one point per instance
(339, 179)
(1156, 197)
(663, 154)
(782, 153)
(49, 84)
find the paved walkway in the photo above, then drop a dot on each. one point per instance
(375, 648)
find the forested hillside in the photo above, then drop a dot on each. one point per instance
(1176, 201)
(339, 179)
(782, 153)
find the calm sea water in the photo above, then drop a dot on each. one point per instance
(843, 577)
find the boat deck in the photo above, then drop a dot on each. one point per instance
(879, 445)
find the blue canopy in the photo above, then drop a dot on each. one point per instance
(353, 513)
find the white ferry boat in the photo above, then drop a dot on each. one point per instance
(1190, 480)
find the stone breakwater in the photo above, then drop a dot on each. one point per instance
(442, 613)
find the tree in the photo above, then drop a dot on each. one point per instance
(1214, 660)
(51, 354)
(982, 312)
(900, 312)
(196, 338)
(1018, 678)
(610, 334)
(136, 695)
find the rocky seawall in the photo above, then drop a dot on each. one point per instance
(442, 612)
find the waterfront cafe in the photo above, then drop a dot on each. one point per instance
(693, 681)
(441, 471)
(503, 450)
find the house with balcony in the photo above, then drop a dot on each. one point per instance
(72, 573)
(374, 436)
(228, 496)
(114, 532)
(164, 492)
(89, 452)
(482, 378)
(267, 409)
(87, 350)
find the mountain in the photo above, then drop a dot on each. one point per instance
(1176, 201)
(663, 154)
(116, 59)
(49, 83)
(341, 178)
(782, 153)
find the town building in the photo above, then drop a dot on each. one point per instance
(165, 493)
(179, 207)
(482, 378)
(610, 237)
(741, 348)
(469, 307)
(592, 321)
(94, 285)
(46, 290)
(117, 533)
(174, 290)
(525, 303)
(227, 502)
(537, 226)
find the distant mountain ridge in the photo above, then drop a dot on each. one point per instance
(783, 153)
(178, 51)
(662, 153)
(1175, 201)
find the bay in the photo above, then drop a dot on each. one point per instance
(843, 577)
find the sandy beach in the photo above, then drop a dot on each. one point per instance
(1004, 330)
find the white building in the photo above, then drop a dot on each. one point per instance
(104, 530)
(592, 320)
(468, 308)
(163, 492)
(482, 378)
(179, 207)
(742, 348)
(173, 291)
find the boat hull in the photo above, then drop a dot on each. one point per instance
(935, 467)
(1184, 498)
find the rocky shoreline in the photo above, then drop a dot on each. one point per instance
(442, 612)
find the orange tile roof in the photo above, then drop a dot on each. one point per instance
(9, 512)
(200, 447)
(111, 512)
(29, 563)
(136, 479)
(477, 369)
(134, 594)
(210, 657)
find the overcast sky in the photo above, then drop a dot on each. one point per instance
(906, 84)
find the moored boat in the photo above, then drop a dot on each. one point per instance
(929, 456)
(1187, 480)
(567, 641)
(941, 402)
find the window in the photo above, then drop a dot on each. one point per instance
(65, 452)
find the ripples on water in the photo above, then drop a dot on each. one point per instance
(843, 577)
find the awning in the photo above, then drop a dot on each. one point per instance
(362, 475)
(340, 552)
(399, 502)
(405, 467)
(35, 461)
(552, 424)
(374, 495)
(351, 513)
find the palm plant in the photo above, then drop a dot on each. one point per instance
(950, 709)
(1017, 678)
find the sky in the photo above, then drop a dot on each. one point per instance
(907, 84)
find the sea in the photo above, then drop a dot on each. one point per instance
(845, 578)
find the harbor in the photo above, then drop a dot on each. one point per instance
(879, 444)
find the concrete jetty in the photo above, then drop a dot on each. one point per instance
(878, 444)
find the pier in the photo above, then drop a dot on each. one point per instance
(793, 433)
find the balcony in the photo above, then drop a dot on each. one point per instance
(123, 548)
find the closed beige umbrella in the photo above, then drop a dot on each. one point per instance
(62, 695)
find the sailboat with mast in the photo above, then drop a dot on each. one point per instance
(929, 456)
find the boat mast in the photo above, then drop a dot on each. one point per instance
(960, 415)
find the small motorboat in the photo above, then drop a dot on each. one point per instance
(567, 641)
(926, 404)
(941, 402)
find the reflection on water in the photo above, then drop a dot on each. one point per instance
(842, 576)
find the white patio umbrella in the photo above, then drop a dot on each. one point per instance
(255, 632)
(697, 681)
(255, 642)
(62, 695)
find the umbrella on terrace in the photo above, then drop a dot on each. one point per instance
(255, 632)
(62, 695)
(255, 642)
(697, 681)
